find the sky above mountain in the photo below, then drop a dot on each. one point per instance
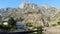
(16, 3)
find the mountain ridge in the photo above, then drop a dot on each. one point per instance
(39, 15)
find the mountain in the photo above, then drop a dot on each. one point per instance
(44, 15)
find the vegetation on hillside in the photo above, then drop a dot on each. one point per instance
(11, 25)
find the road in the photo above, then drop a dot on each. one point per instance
(25, 32)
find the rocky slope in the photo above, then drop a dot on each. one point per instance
(43, 15)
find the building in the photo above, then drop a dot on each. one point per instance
(20, 25)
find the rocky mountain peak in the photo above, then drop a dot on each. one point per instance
(26, 5)
(46, 6)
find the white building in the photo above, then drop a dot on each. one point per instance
(20, 25)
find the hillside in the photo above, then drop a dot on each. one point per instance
(37, 15)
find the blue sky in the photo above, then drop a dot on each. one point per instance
(16, 3)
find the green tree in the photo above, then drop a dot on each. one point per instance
(5, 27)
(11, 21)
(11, 25)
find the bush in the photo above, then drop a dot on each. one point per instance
(54, 25)
(29, 24)
(58, 23)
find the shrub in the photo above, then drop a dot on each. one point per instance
(29, 24)
(58, 23)
(54, 24)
